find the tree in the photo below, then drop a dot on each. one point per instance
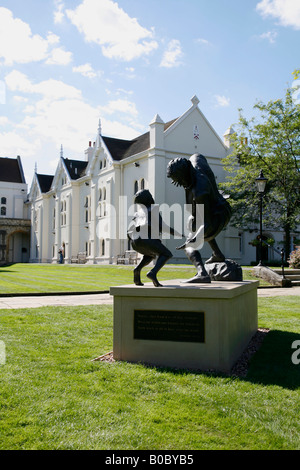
(268, 142)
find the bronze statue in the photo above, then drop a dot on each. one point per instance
(198, 180)
(148, 220)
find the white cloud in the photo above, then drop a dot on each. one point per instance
(58, 13)
(20, 99)
(12, 144)
(269, 36)
(19, 45)
(50, 89)
(56, 113)
(172, 55)
(106, 24)
(203, 41)
(3, 120)
(86, 70)
(18, 81)
(120, 106)
(59, 56)
(222, 100)
(286, 11)
(52, 38)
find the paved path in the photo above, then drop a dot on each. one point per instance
(99, 299)
(56, 300)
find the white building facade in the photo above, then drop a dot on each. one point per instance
(87, 205)
(14, 210)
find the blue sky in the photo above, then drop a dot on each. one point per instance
(66, 63)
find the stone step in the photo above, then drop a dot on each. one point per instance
(292, 274)
(288, 272)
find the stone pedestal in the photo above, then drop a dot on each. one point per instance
(192, 326)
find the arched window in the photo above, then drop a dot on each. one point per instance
(3, 200)
(136, 187)
(104, 194)
(142, 183)
(3, 210)
(102, 247)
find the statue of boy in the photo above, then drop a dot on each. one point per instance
(143, 232)
(198, 180)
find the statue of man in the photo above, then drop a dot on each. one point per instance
(198, 180)
(143, 232)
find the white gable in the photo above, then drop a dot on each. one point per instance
(35, 190)
(192, 133)
(60, 174)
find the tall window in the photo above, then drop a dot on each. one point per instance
(35, 220)
(102, 205)
(87, 209)
(88, 248)
(63, 212)
(53, 219)
(139, 185)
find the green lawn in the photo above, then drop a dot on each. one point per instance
(53, 396)
(50, 278)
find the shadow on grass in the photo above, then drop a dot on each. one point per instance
(272, 364)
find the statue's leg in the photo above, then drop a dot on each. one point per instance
(202, 275)
(137, 270)
(163, 256)
(217, 255)
(161, 261)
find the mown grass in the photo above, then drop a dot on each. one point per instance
(51, 278)
(53, 396)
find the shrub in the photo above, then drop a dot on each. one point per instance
(294, 260)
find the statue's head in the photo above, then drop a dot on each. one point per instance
(144, 197)
(179, 170)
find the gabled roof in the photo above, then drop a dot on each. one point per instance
(11, 170)
(75, 168)
(120, 148)
(45, 182)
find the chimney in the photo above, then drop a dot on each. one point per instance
(89, 152)
(157, 132)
